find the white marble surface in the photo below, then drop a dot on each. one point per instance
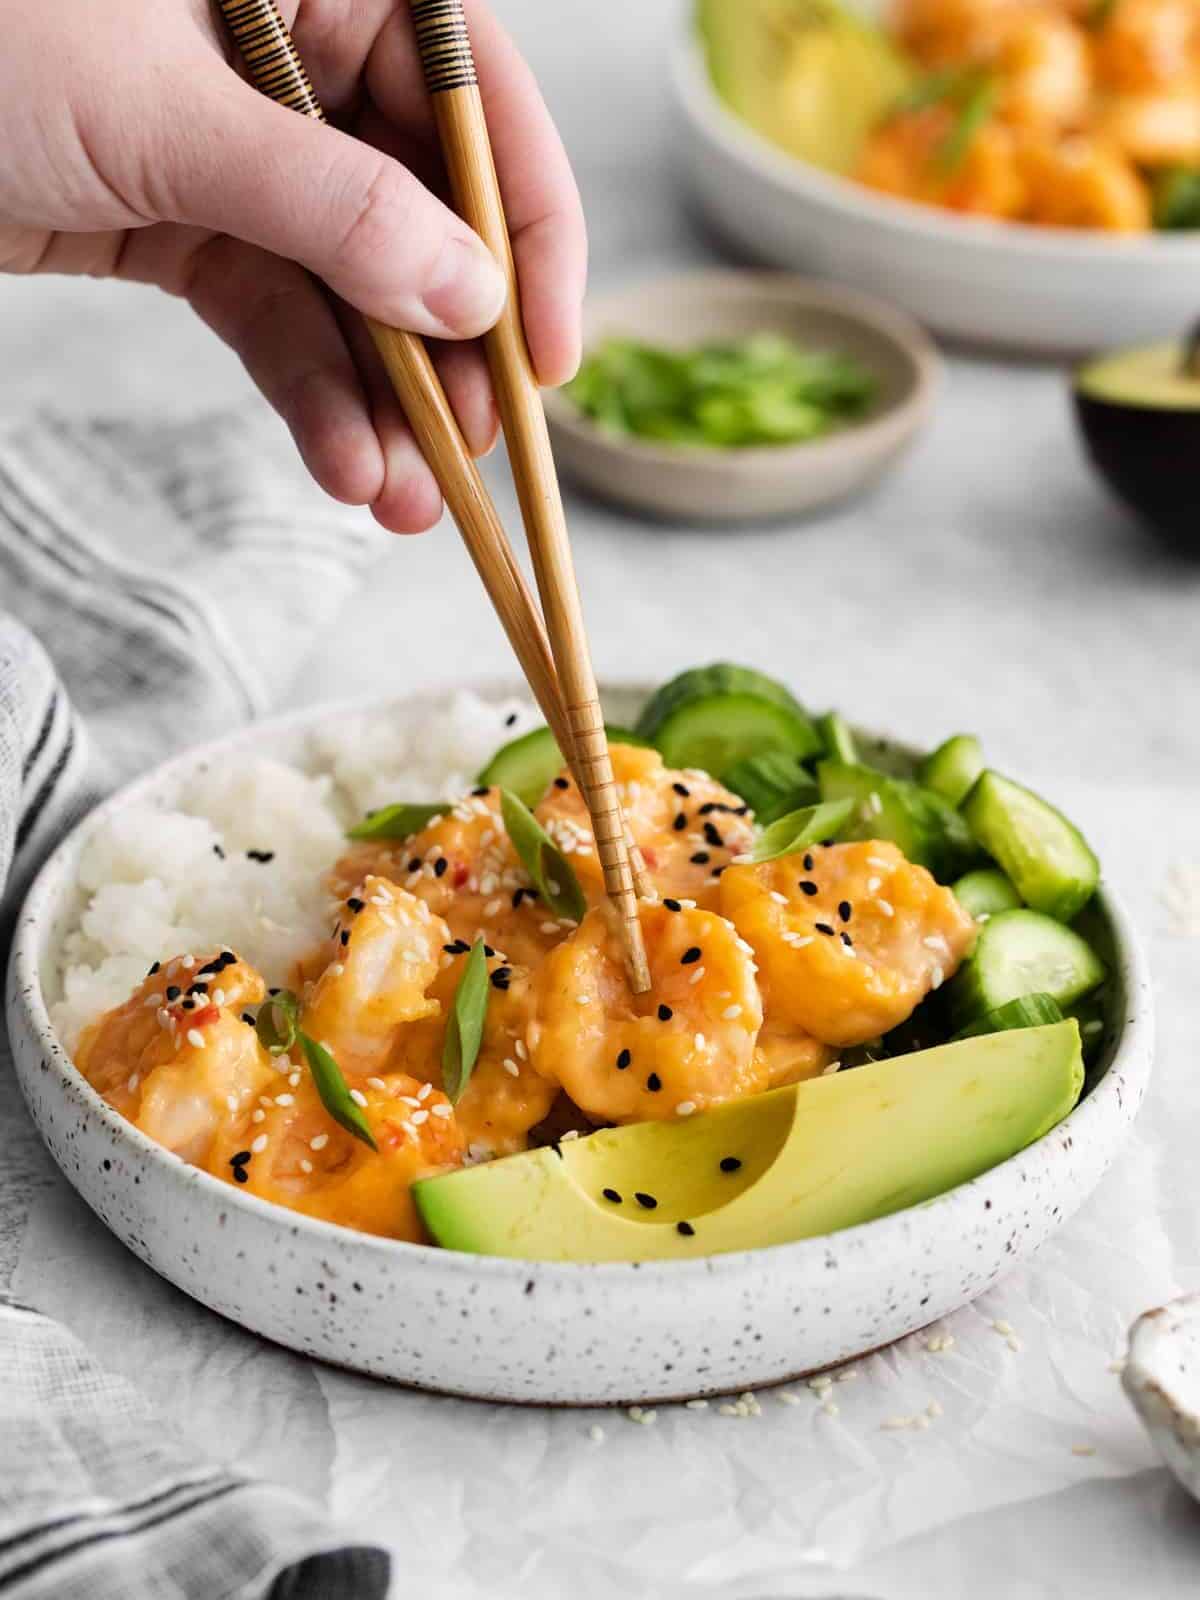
(990, 585)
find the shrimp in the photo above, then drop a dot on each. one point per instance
(686, 824)
(504, 1097)
(463, 865)
(1153, 130)
(1149, 46)
(849, 937)
(1084, 181)
(789, 1056)
(180, 1057)
(945, 33)
(1044, 69)
(288, 1149)
(907, 156)
(384, 953)
(688, 1045)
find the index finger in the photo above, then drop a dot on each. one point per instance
(541, 200)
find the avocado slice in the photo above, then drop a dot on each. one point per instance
(806, 74)
(1139, 412)
(805, 1160)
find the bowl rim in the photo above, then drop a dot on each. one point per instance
(695, 92)
(1130, 1063)
(877, 431)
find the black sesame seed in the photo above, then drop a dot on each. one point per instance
(845, 910)
(272, 991)
(672, 905)
(173, 991)
(240, 1159)
(487, 950)
(218, 852)
(700, 859)
(510, 719)
(691, 954)
(501, 978)
(646, 1201)
(707, 809)
(848, 941)
(611, 1194)
(355, 904)
(462, 947)
(154, 969)
(415, 864)
(828, 844)
(680, 822)
(197, 988)
(682, 788)
(440, 867)
(451, 949)
(712, 835)
(562, 783)
(730, 1163)
(654, 1083)
(823, 927)
(262, 856)
(345, 937)
(211, 969)
(808, 863)
(187, 1005)
(624, 1059)
(480, 791)
(807, 886)
(249, 1019)
(741, 811)
(240, 1175)
(228, 959)
(665, 1013)
(685, 1228)
(718, 871)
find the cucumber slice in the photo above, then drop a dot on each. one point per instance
(985, 892)
(714, 717)
(1017, 954)
(953, 768)
(840, 744)
(929, 832)
(1047, 858)
(529, 765)
(772, 785)
(1031, 1011)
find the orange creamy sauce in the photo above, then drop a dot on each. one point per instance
(761, 974)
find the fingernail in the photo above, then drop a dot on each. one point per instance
(467, 291)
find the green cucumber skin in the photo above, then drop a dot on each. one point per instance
(839, 742)
(1017, 954)
(1048, 860)
(985, 892)
(529, 764)
(953, 768)
(772, 785)
(714, 735)
(926, 830)
(704, 683)
(1031, 1011)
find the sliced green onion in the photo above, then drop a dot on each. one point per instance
(464, 1027)
(552, 874)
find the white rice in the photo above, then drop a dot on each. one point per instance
(154, 886)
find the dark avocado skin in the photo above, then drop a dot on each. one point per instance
(1149, 457)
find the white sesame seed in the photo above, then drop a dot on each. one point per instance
(779, 899)
(894, 1424)
(218, 997)
(132, 1081)
(820, 1382)
(424, 1091)
(685, 1108)
(1116, 1367)
(418, 1117)
(1083, 1449)
(443, 1111)
(548, 927)
(188, 963)
(1015, 1345)
(828, 1072)
(730, 1012)
(787, 1398)
(376, 1083)
(259, 1145)
(570, 1135)
(512, 1068)
(1001, 1327)
(696, 1405)
(848, 1376)
(231, 1100)
(596, 1433)
(830, 1408)
(285, 1099)
(728, 1410)
(696, 976)
(873, 884)
(522, 1053)
(582, 999)
(258, 1115)
(195, 1038)
(294, 1079)
(798, 942)
(318, 1141)
(698, 1040)
(886, 907)
(934, 1409)
(358, 1097)
(937, 979)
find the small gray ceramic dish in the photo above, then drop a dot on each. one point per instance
(528, 1331)
(1162, 1378)
(713, 485)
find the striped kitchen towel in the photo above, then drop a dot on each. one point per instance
(157, 586)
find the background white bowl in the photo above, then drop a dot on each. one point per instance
(528, 1331)
(1007, 283)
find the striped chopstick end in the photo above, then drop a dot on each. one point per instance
(444, 45)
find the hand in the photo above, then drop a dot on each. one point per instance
(133, 149)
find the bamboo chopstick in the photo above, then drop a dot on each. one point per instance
(445, 48)
(275, 67)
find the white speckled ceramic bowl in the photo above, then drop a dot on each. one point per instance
(1162, 1378)
(511, 1330)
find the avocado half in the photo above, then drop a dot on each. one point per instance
(810, 1159)
(1139, 411)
